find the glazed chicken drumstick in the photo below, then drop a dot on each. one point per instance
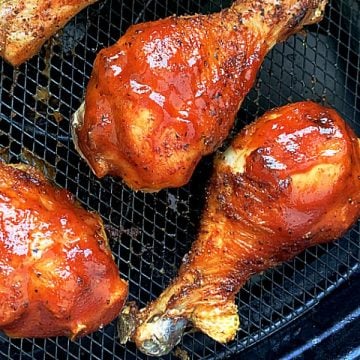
(289, 181)
(25, 25)
(57, 274)
(168, 91)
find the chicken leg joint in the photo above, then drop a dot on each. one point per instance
(288, 181)
(167, 93)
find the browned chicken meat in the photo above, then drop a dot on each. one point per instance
(26, 25)
(168, 91)
(289, 181)
(57, 274)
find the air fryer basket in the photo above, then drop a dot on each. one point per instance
(150, 233)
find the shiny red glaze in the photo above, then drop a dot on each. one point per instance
(57, 274)
(168, 91)
(300, 185)
(263, 213)
(154, 105)
(288, 181)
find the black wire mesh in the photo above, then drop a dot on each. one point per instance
(150, 233)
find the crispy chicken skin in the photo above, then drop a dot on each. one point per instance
(57, 274)
(26, 25)
(289, 181)
(168, 91)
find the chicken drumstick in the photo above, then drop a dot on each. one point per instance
(168, 91)
(289, 181)
(25, 25)
(57, 274)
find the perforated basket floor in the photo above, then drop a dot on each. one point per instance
(149, 234)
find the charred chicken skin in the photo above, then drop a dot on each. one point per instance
(289, 181)
(168, 91)
(26, 25)
(57, 274)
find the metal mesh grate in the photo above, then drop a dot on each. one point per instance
(149, 234)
